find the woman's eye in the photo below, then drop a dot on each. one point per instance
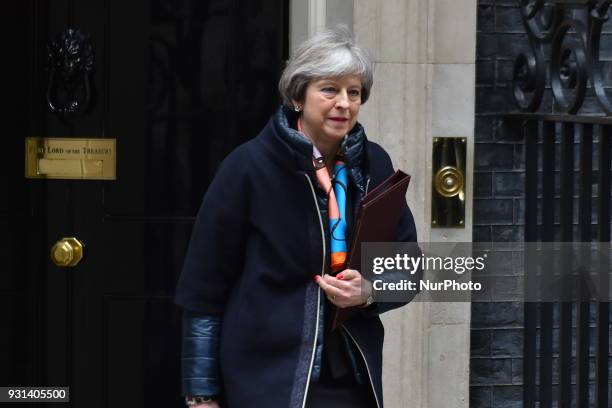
(329, 89)
(355, 92)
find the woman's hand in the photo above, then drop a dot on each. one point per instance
(348, 288)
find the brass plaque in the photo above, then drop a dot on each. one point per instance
(68, 158)
(448, 182)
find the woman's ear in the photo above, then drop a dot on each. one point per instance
(297, 106)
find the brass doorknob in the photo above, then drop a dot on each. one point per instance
(449, 181)
(67, 252)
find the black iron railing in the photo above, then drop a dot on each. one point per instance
(585, 134)
(570, 31)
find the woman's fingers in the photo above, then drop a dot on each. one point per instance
(338, 283)
(334, 294)
(330, 290)
(348, 274)
(340, 292)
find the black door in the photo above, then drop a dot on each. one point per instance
(178, 84)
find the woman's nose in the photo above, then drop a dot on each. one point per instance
(342, 99)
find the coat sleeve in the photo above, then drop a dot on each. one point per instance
(200, 357)
(216, 250)
(212, 264)
(406, 232)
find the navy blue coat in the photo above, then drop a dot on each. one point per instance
(257, 243)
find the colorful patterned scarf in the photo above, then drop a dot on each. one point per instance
(336, 189)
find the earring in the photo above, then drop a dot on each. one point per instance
(297, 108)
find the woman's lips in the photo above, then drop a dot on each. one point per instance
(339, 119)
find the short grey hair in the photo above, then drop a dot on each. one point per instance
(328, 54)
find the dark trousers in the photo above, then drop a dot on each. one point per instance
(337, 386)
(339, 392)
(322, 395)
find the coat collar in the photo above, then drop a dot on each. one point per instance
(291, 149)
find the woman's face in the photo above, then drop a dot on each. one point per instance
(330, 107)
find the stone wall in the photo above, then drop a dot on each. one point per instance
(424, 53)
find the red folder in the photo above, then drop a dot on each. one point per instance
(377, 219)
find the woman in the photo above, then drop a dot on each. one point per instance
(256, 286)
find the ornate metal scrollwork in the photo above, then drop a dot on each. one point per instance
(528, 81)
(529, 76)
(598, 16)
(568, 68)
(70, 60)
(540, 18)
(574, 54)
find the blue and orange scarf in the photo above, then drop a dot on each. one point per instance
(336, 189)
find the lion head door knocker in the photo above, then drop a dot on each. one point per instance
(70, 60)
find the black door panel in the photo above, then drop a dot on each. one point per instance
(178, 84)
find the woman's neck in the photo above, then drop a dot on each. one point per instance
(328, 148)
(328, 151)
